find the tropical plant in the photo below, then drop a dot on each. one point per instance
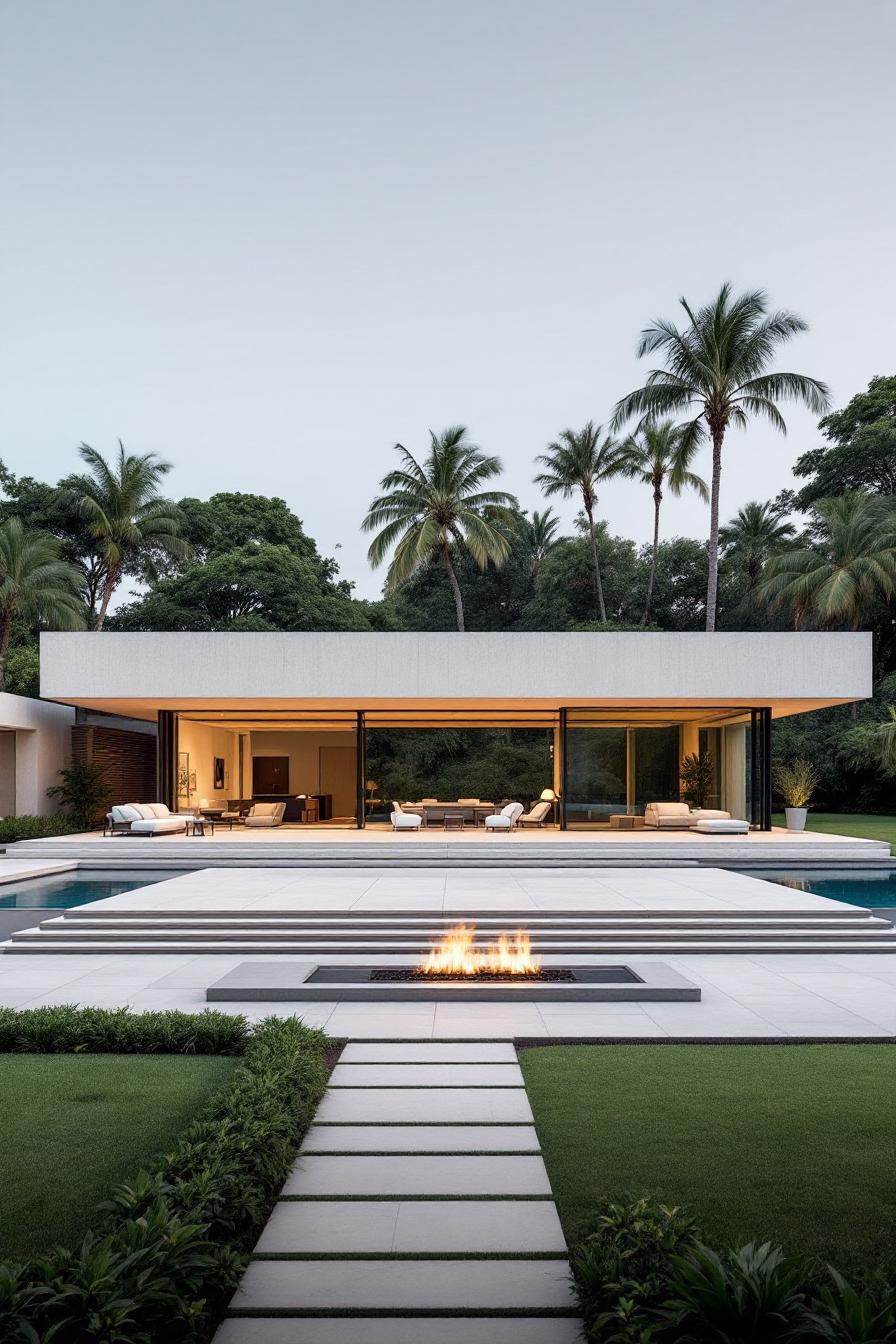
(130, 522)
(746, 1295)
(861, 451)
(850, 564)
(871, 746)
(718, 365)
(697, 778)
(797, 782)
(429, 508)
(622, 1266)
(84, 793)
(540, 536)
(35, 585)
(755, 533)
(578, 461)
(844, 1314)
(660, 455)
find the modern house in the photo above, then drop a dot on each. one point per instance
(293, 716)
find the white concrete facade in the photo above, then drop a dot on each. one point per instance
(139, 673)
(35, 742)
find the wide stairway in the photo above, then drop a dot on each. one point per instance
(365, 935)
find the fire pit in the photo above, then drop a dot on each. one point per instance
(456, 955)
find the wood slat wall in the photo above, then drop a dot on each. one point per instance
(128, 760)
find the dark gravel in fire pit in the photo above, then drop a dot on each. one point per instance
(497, 977)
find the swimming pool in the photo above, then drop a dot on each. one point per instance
(77, 888)
(857, 886)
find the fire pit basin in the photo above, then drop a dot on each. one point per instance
(297, 982)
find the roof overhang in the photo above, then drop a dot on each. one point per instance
(139, 674)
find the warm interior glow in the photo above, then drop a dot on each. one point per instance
(457, 954)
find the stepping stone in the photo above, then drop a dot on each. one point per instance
(428, 1052)
(271, 1286)
(396, 1227)
(425, 1105)
(426, 1075)
(421, 1139)
(403, 1330)
(424, 1175)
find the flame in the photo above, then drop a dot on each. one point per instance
(457, 954)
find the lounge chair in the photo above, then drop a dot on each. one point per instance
(265, 814)
(405, 821)
(537, 816)
(506, 819)
(146, 819)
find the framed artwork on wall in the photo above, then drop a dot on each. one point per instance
(183, 774)
(219, 773)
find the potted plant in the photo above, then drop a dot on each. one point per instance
(697, 778)
(796, 782)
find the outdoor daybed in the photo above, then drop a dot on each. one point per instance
(146, 819)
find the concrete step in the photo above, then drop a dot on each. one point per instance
(772, 942)
(553, 926)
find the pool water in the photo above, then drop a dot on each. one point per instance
(857, 887)
(76, 888)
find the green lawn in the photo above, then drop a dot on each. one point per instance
(796, 1143)
(73, 1126)
(862, 825)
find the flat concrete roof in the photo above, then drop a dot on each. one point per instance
(138, 674)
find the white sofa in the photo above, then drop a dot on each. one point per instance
(506, 819)
(265, 814)
(405, 821)
(680, 816)
(146, 819)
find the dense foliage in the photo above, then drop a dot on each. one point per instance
(820, 558)
(169, 1248)
(644, 1276)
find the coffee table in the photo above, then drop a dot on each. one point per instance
(453, 821)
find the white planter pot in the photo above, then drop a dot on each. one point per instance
(795, 818)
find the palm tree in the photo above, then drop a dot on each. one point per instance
(540, 536)
(755, 533)
(718, 365)
(429, 508)
(580, 461)
(35, 584)
(660, 454)
(833, 581)
(127, 518)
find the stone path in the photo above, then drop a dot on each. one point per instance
(419, 1212)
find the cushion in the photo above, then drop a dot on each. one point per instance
(264, 809)
(670, 809)
(145, 811)
(125, 812)
(721, 826)
(710, 814)
(158, 809)
(159, 825)
(429, 800)
(468, 802)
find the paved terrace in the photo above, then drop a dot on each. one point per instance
(842, 995)
(433, 845)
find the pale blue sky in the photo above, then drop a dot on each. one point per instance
(268, 239)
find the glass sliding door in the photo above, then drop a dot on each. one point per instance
(596, 771)
(655, 759)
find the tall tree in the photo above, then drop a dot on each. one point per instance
(660, 455)
(861, 448)
(429, 508)
(128, 519)
(851, 564)
(719, 365)
(754, 534)
(35, 585)
(578, 462)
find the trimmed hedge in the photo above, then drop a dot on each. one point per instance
(35, 828)
(65, 1029)
(169, 1248)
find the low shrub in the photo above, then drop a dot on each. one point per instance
(644, 1277)
(62, 1029)
(35, 828)
(170, 1246)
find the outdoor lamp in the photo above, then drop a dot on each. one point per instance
(549, 796)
